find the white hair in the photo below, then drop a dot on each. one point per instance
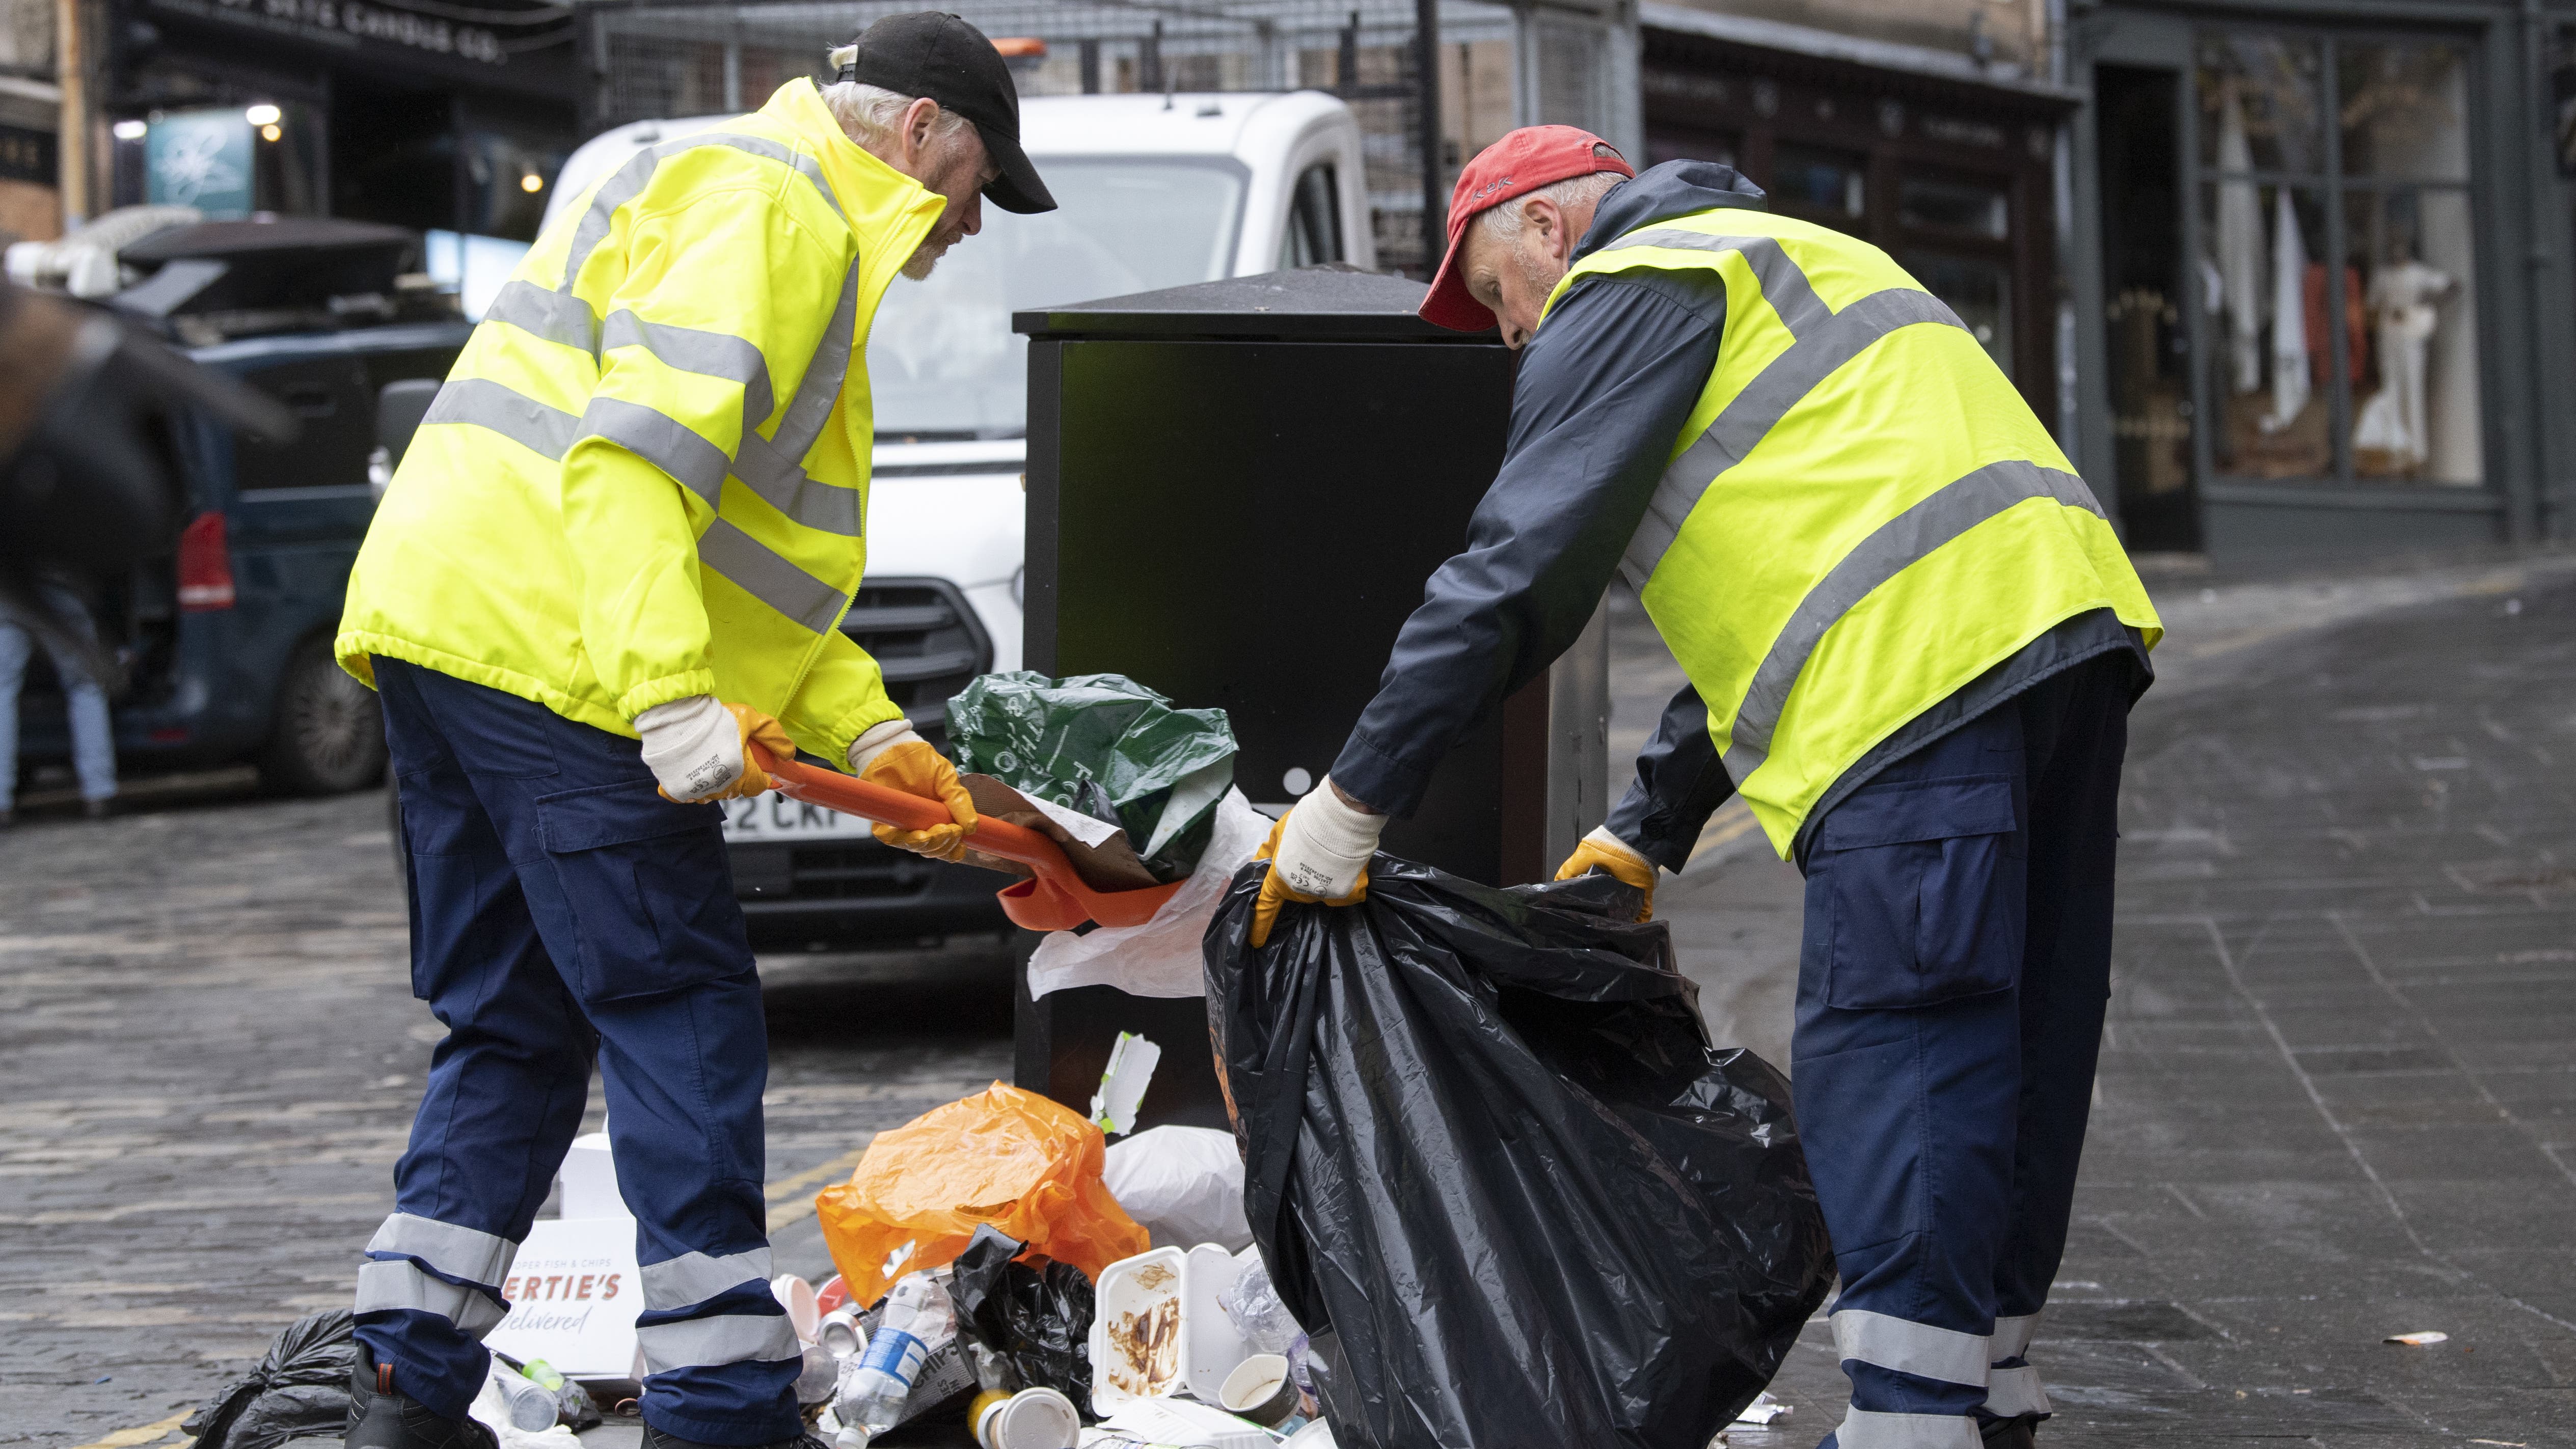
(1504, 222)
(869, 114)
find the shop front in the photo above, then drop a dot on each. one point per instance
(439, 117)
(1945, 163)
(2320, 277)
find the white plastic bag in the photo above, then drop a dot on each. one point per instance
(1184, 1184)
(1160, 957)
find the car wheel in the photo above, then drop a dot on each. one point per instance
(330, 732)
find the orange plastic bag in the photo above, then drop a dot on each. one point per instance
(1007, 1157)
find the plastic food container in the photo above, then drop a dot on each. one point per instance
(1160, 1328)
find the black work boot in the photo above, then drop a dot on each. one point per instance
(2008, 1433)
(383, 1417)
(656, 1439)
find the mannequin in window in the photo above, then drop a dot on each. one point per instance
(2402, 295)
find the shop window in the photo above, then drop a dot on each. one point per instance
(2338, 262)
(1676, 143)
(1979, 291)
(1966, 207)
(1828, 185)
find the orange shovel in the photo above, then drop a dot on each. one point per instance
(1052, 899)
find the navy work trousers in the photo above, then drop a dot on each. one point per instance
(561, 909)
(1951, 988)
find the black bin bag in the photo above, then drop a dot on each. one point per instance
(1498, 1172)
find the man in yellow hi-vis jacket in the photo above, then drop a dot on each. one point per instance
(617, 552)
(1911, 639)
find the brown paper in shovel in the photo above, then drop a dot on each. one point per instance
(1112, 865)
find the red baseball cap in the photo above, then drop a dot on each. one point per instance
(1520, 163)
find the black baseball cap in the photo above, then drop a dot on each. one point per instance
(940, 56)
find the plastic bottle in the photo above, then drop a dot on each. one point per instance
(918, 1318)
(530, 1405)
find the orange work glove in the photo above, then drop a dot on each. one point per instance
(700, 749)
(1607, 853)
(893, 756)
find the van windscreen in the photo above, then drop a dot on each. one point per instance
(942, 358)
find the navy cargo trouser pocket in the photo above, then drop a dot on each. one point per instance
(1925, 886)
(648, 887)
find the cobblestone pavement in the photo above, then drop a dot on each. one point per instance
(2338, 1089)
(2338, 1098)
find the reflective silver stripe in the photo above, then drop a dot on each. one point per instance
(554, 316)
(2013, 1392)
(789, 490)
(2012, 1335)
(696, 1277)
(1784, 282)
(1749, 417)
(629, 180)
(505, 410)
(722, 1339)
(819, 392)
(708, 354)
(1862, 1429)
(774, 468)
(477, 1257)
(1909, 536)
(761, 572)
(1909, 1347)
(661, 440)
(392, 1283)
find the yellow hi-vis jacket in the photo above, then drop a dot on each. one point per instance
(1860, 515)
(647, 476)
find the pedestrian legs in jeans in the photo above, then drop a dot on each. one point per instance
(93, 738)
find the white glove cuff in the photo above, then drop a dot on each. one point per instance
(692, 746)
(1602, 837)
(1326, 844)
(878, 739)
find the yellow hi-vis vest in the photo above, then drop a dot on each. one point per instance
(647, 476)
(1859, 517)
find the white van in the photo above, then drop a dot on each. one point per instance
(1153, 191)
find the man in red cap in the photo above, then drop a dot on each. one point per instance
(1912, 641)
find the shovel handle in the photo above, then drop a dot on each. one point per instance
(886, 806)
(1054, 898)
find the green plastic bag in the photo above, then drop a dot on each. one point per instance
(1106, 746)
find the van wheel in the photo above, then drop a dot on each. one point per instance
(330, 733)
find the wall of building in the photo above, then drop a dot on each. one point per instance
(30, 207)
(2011, 35)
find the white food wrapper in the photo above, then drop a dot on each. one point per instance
(1160, 957)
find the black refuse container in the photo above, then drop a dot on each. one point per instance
(1236, 492)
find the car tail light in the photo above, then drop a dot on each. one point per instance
(205, 566)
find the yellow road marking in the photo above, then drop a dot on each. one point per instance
(799, 1204)
(128, 1438)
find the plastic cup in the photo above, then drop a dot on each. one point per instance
(1037, 1418)
(797, 1296)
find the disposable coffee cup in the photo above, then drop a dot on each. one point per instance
(1037, 1418)
(797, 1296)
(1261, 1390)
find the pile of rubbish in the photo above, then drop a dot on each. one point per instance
(1090, 1294)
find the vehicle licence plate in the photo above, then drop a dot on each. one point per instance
(773, 817)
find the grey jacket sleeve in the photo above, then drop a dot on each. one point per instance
(1603, 391)
(1680, 783)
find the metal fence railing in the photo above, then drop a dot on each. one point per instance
(1430, 80)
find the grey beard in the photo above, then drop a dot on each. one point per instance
(923, 260)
